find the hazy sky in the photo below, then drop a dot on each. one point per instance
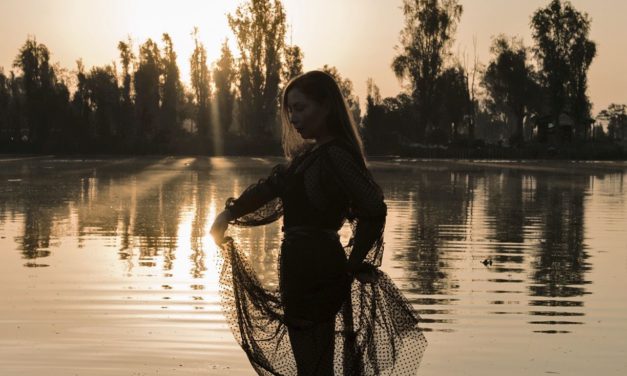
(357, 36)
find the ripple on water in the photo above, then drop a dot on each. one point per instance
(107, 265)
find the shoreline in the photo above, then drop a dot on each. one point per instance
(616, 164)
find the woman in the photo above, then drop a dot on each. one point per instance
(341, 314)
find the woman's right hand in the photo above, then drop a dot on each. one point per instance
(364, 273)
(220, 224)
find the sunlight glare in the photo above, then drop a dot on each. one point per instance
(150, 19)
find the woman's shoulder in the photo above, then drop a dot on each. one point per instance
(342, 152)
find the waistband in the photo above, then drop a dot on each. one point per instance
(298, 231)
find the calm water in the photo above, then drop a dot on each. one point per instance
(107, 266)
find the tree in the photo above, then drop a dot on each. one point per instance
(425, 45)
(387, 121)
(201, 81)
(81, 112)
(565, 54)
(259, 28)
(147, 91)
(293, 62)
(224, 76)
(101, 88)
(15, 115)
(509, 82)
(454, 105)
(373, 121)
(39, 82)
(616, 117)
(172, 92)
(346, 88)
(5, 100)
(126, 128)
(471, 86)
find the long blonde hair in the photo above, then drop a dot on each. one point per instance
(322, 88)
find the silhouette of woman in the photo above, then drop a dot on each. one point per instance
(341, 314)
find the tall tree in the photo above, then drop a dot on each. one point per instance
(387, 121)
(16, 108)
(425, 45)
(102, 91)
(346, 88)
(80, 106)
(5, 100)
(259, 27)
(565, 53)
(200, 77)
(39, 82)
(616, 117)
(372, 122)
(471, 88)
(224, 78)
(126, 127)
(172, 91)
(293, 62)
(147, 94)
(454, 105)
(509, 82)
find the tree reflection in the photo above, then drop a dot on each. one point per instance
(560, 263)
(35, 241)
(439, 201)
(156, 212)
(202, 201)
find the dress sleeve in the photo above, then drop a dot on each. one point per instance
(365, 199)
(257, 194)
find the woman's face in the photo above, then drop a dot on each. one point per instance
(307, 116)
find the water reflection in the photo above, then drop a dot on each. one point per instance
(444, 220)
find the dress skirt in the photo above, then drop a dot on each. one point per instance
(320, 321)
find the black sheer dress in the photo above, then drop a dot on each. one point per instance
(321, 321)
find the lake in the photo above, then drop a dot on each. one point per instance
(107, 266)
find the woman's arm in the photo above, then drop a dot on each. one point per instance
(365, 198)
(257, 194)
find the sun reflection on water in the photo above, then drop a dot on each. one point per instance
(122, 248)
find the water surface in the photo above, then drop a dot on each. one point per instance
(107, 266)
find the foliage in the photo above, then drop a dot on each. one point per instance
(387, 121)
(102, 95)
(172, 93)
(145, 108)
(224, 76)
(259, 28)
(454, 105)
(346, 88)
(5, 98)
(426, 40)
(565, 54)
(147, 92)
(127, 126)
(200, 77)
(41, 91)
(509, 81)
(293, 62)
(616, 117)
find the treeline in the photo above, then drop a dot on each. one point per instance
(523, 95)
(139, 105)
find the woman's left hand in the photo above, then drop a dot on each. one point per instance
(219, 226)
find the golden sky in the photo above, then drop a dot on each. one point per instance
(357, 36)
